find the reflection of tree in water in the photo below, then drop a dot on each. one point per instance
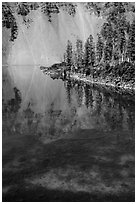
(125, 106)
(10, 111)
(107, 99)
(118, 111)
(53, 116)
(120, 115)
(91, 98)
(88, 95)
(29, 114)
(98, 102)
(86, 89)
(79, 93)
(129, 107)
(112, 112)
(42, 124)
(109, 109)
(13, 105)
(68, 86)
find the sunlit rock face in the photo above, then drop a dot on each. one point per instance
(44, 42)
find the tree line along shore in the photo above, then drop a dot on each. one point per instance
(111, 59)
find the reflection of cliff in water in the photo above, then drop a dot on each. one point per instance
(109, 111)
(54, 108)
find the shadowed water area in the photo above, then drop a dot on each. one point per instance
(65, 140)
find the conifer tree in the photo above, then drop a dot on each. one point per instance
(99, 48)
(131, 43)
(107, 33)
(69, 55)
(89, 55)
(108, 51)
(115, 29)
(79, 51)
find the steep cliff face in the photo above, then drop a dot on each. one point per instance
(42, 41)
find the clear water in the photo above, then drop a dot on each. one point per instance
(53, 126)
(70, 104)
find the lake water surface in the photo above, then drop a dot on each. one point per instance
(65, 140)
